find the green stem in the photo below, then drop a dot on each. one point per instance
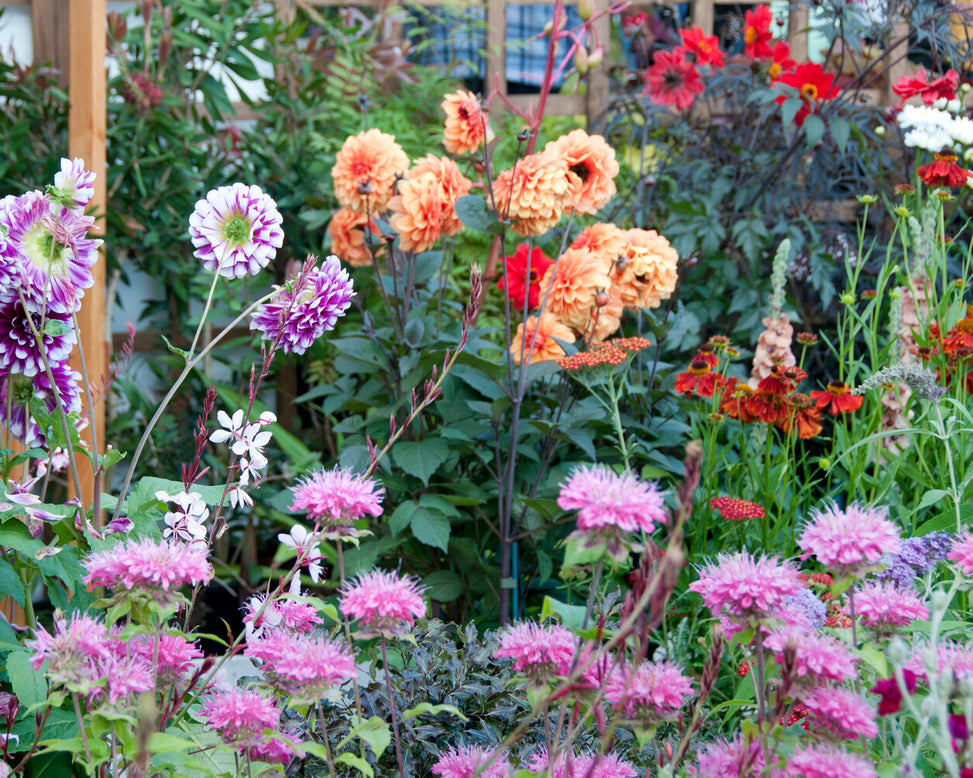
(395, 722)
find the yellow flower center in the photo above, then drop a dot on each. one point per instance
(775, 70)
(810, 91)
(749, 36)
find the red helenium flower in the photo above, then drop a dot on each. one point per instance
(943, 171)
(814, 85)
(699, 379)
(673, 80)
(704, 47)
(837, 398)
(756, 32)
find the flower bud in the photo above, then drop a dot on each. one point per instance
(548, 28)
(965, 87)
(602, 298)
(880, 131)
(581, 60)
(596, 57)
(586, 9)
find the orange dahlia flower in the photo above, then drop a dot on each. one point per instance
(347, 231)
(541, 332)
(592, 168)
(604, 239)
(454, 185)
(418, 211)
(365, 169)
(648, 269)
(570, 285)
(466, 127)
(532, 193)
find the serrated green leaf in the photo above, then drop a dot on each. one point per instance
(431, 528)
(160, 742)
(813, 129)
(28, 684)
(474, 212)
(420, 458)
(432, 710)
(355, 761)
(10, 583)
(444, 585)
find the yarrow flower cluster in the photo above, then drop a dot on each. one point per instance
(236, 230)
(336, 499)
(384, 603)
(850, 541)
(144, 568)
(306, 307)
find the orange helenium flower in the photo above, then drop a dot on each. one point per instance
(943, 171)
(649, 274)
(837, 399)
(570, 285)
(466, 126)
(532, 193)
(592, 168)
(699, 379)
(365, 169)
(541, 333)
(347, 231)
(801, 415)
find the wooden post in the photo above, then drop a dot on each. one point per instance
(597, 78)
(496, 52)
(49, 32)
(87, 117)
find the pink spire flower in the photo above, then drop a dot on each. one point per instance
(818, 658)
(841, 712)
(962, 553)
(470, 762)
(649, 693)
(239, 717)
(851, 541)
(306, 667)
(827, 761)
(884, 606)
(306, 307)
(743, 587)
(539, 651)
(236, 230)
(385, 603)
(153, 569)
(336, 499)
(47, 253)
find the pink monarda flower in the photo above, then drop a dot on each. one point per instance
(385, 603)
(884, 607)
(337, 498)
(239, 716)
(817, 658)
(236, 230)
(962, 553)
(604, 499)
(173, 656)
(539, 651)
(73, 651)
(955, 657)
(722, 759)
(123, 675)
(307, 667)
(306, 307)
(470, 762)
(157, 569)
(743, 586)
(648, 693)
(841, 712)
(47, 254)
(851, 541)
(827, 761)
(276, 750)
(567, 765)
(289, 614)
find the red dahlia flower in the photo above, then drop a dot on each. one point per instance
(756, 32)
(930, 91)
(673, 80)
(814, 85)
(943, 171)
(781, 60)
(517, 276)
(704, 47)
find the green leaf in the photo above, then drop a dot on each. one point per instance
(14, 534)
(10, 583)
(432, 710)
(571, 616)
(946, 521)
(432, 528)
(55, 328)
(402, 517)
(840, 132)
(353, 760)
(160, 742)
(420, 458)
(474, 212)
(813, 129)
(375, 732)
(28, 684)
(173, 349)
(444, 585)
(60, 724)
